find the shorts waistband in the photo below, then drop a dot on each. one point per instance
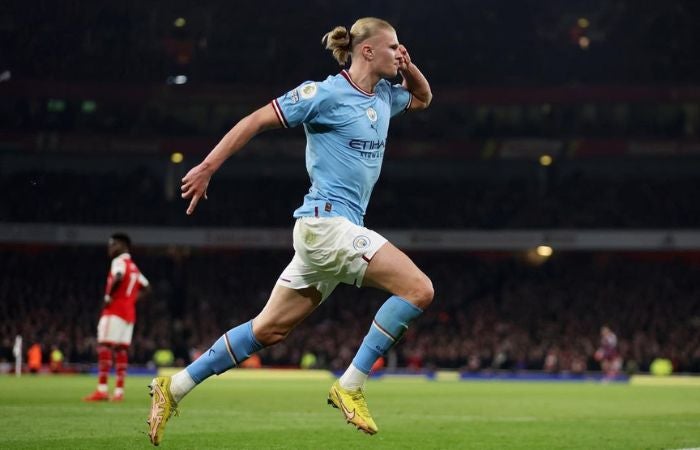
(324, 208)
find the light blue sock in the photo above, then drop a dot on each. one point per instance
(231, 349)
(390, 323)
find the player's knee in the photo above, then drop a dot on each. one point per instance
(423, 293)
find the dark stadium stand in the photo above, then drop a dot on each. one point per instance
(501, 43)
(612, 194)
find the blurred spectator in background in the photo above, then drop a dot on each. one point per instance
(607, 354)
(163, 357)
(661, 367)
(34, 357)
(56, 359)
(254, 362)
(308, 360)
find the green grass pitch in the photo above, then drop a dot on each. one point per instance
(45, 412)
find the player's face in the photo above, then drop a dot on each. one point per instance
(114, 248)
(385, 48)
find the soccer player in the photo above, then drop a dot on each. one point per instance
(125, 285)
(346, 120)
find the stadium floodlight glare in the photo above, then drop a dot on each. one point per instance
(176, 79)
(176, 157)
(545, 251)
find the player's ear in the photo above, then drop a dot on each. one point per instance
(367, 52)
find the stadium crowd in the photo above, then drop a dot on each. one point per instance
(132, 41)
(492, 311)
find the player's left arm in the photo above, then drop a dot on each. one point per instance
(145, 290)
(415, 82)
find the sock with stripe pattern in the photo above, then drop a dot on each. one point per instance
(104, 364)
(122, 362)
(390, 323)
(231, 349)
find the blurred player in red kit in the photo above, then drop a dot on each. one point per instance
(607, 354)
(125, 286)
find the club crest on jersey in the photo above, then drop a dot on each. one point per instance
(308, 90)
(361, 243)
(371, 115)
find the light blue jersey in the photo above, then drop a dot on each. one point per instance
(346, 133)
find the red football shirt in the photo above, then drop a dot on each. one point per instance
(123, 302)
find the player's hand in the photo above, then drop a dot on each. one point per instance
(194, 185)
(404, 58)
(107, 299)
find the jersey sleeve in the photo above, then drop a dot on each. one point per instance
(400, 99)
(300, 105)
(118, 266)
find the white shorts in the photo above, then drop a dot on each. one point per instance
(114, 330)
(328, 251)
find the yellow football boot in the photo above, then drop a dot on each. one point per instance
(163, 406)
(353, 406)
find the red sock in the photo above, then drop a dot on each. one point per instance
(104, 363)
(122, 358)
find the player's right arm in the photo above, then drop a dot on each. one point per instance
(415, 82)
(114, 279)
(194, 184)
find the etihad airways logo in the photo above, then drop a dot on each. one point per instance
(360, 144)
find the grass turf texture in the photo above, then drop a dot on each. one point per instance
(46, 412)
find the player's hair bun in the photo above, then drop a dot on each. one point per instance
(338, 40)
